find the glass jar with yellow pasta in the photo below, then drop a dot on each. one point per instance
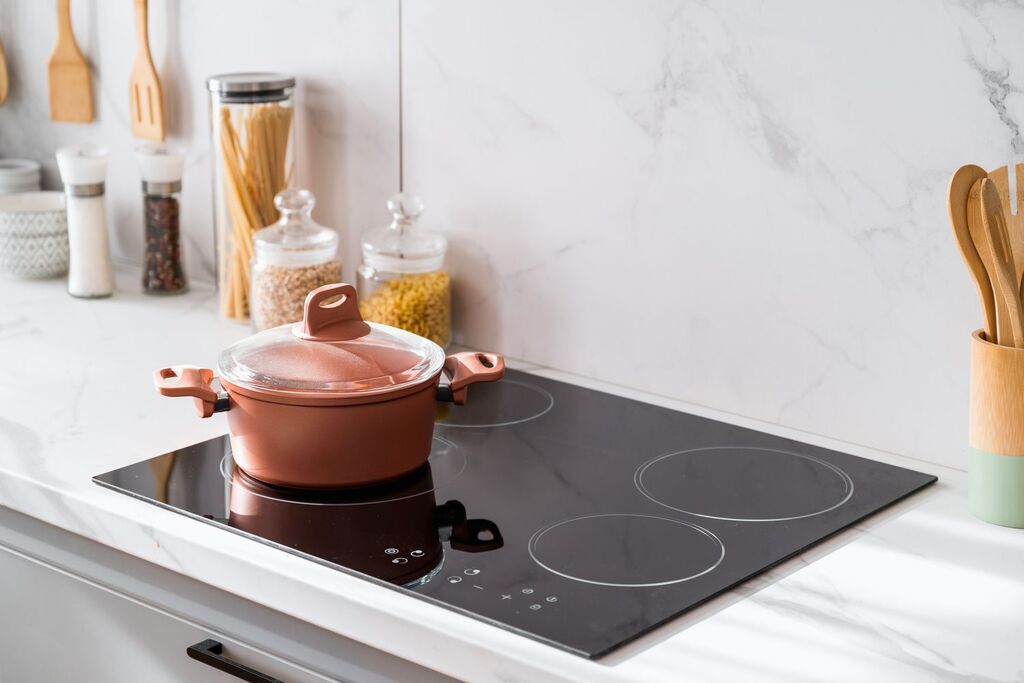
(402, 280)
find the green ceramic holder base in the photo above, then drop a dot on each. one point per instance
(995, 488)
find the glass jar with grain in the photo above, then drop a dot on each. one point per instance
(402, 279)
(290, 259)
(161, 169)
(253, 142)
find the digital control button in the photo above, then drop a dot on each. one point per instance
(391, 551)
(506, 596)
(417, 553)
(471, 572)
(400, 560)
(534, 607)
(551, 598)
(454, 579)
(527, 591)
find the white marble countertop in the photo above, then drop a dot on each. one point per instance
(920, 592)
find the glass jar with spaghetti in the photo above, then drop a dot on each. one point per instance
(252, 145)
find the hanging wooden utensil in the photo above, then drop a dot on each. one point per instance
(956, 200)
(70, 83)
(1005, 275)
(144, 93)
(4, 77)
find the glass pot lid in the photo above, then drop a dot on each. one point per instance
(331, 354)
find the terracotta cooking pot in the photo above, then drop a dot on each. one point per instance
(332, 401)
(392, 531)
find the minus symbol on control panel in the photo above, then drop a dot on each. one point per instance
(479, 588)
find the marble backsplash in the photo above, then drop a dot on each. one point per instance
(740, 204)
(344, 54)
(736, 204)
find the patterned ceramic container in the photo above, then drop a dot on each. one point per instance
(33, 235)
(19, 175)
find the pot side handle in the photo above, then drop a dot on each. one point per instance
(470, 367)
(188, 380)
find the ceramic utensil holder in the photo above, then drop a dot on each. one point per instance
(995, 470)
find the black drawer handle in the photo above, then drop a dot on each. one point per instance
(209, 652)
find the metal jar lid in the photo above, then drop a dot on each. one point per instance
(251, 87)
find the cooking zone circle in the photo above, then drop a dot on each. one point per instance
(446, 462)
(497, 404)
(744, 484)
(627, 551)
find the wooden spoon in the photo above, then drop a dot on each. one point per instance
(957, 199)
(1006, 275)
(144, 93)
(70, 83)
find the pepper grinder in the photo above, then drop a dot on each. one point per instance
(161, 169)
(83, 169)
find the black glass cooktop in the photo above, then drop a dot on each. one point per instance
(575, 517)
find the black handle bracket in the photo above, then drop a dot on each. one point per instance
(209, 652)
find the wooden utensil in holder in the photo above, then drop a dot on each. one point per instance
(996, 459)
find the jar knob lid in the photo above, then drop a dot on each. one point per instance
(335, 321)
(292, 200)
(405, 207)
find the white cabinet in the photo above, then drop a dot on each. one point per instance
(75, 611)
(56, 627)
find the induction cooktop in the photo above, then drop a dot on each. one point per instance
(574, 517)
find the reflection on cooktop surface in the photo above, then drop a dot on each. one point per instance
(568, 515)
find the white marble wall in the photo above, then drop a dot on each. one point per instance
(740, 204)
(343, 52)
(737, 204)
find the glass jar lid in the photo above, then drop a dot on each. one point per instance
(296, 239)
(400, 247)
(331, 355)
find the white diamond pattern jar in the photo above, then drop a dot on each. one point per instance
(83, 168)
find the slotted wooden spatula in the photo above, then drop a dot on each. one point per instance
(70, 84)
(147, 100)
(1005, 275)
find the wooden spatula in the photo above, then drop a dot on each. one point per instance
(4, 80)
(147, 100)
(70, 84)
(1005, 274)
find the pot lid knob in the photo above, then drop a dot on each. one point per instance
(332, 321)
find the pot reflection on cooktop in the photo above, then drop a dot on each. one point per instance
(497, 404)
(393, 532)
(446, 462)
(744, 484)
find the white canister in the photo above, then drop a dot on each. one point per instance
(83, 168)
